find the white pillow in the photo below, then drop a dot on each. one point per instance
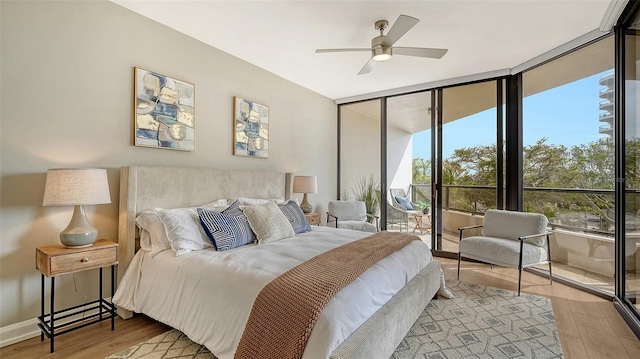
(153, 237)
(218, 205)
(183, 229)
(153, 234)
(268, 222)
(259, 201)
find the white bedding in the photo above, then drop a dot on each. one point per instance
(208, 295)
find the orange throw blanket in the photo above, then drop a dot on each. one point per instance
(287, 308)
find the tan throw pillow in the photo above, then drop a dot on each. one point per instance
(268, 222)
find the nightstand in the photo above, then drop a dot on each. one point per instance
(313, 218)
(57, 260)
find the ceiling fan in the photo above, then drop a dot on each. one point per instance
(382, 48)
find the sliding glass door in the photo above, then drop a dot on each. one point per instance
(629, 255)
(469, 152)
(568, 160)
(359, 165)
(409, 158)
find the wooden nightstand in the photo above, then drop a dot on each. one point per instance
(57, 260)
(313, 218)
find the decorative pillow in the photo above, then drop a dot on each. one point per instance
(183, 230)
(268, 222)
(404, 202)
(296, 217)
(153, 237)
(224, 230)
(234, 209)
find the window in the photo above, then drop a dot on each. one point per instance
(568, 159)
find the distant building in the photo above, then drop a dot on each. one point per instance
(606, 105)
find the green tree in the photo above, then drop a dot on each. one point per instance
(544, 164)
(421, 171)
(586, 166)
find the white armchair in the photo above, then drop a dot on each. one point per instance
(509, 239)
(351, 215)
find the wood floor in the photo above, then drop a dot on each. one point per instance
(589, 326)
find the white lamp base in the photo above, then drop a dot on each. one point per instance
(79, 233)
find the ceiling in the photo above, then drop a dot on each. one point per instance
(282, 36)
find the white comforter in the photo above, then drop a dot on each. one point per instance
(208, 295)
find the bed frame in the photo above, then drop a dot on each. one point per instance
(144, 188)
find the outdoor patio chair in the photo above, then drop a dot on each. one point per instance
(400, 209)
(397, 216)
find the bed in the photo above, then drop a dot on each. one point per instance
(367, 319)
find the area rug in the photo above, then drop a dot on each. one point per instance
(480, 322)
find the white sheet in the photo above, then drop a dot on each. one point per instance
(208, 295)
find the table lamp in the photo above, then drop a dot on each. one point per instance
(77, 187)
(305, 184)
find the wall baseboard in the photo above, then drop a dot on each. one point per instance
(18, 332)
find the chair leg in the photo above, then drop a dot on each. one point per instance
(520, 266)
(549, 258)
(458, 265)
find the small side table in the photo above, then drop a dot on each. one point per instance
(420, 226)
(57, 260)
(313, 218)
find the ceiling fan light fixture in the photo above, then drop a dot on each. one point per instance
(382, 46)
(380, 54)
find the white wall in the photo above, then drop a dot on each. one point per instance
(66, 101)
(360, 148)
(399, 159)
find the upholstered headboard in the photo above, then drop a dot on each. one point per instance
(144, 188)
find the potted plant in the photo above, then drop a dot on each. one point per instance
(367, 190)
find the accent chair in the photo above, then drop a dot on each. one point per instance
(351, 215)
(509, 239)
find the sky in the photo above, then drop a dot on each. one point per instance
(566, 115)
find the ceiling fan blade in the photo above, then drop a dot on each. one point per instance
(399, 28)
(342, 50)
(367, 67)
(419, 51)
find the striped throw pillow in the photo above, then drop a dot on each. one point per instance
(296, 217)
(226, 231)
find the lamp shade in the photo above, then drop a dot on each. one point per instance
(305, 184)
(76, 186)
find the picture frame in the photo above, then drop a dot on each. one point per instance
(164, 111)
(250, 128)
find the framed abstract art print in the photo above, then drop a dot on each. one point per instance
(164, 115)
(250, 128)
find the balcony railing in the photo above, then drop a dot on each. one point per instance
(576, 209)
(605, 129)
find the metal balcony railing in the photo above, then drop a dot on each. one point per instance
(607, 80)
(605, 129)
(577, 209)
(606, 116)
(606, 90)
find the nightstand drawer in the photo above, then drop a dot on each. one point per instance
(80, 261)
(313, 218)
(56, 260)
